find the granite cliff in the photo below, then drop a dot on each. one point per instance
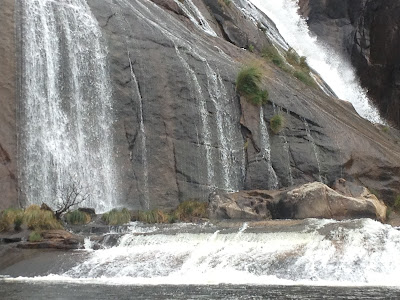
(182, 131)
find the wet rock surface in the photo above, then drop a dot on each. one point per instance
(181, 131)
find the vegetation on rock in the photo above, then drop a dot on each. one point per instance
(33, 217)
(35, 236)
(77, 217)
(247, 84)
(190, 209)
(36, 219)
(277, 122)
(117, 217)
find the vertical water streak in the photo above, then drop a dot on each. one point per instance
(143, 145)
(194, 14)
(265, 146)
(315, 148)
(203, 116)
(66, 110)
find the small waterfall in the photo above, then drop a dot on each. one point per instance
(195, 16)
(315, 148)
(142, 137)
(315, 252)
(65, 112)
(266, 152)
(222, 148)
(203, 116)
(335, 71)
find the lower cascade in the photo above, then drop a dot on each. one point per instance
(65, 112)
(311, 252)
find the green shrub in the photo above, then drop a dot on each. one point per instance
(292, 57)
(396, 204)
(117, 217)
(18, 221)
(304, 77)
(247, 84)
(36, 219)
(35, 236)
(386, 129)
(270, 53)
(155, 216)
(277, 122)
(77, 217)
(190, 209)
(304, 65)
(9, 217)
(251, 48)
(227, 2)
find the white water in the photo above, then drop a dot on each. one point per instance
(65, 111)
(335, 71)
(319, 252)
(266, 152)
(195, 16)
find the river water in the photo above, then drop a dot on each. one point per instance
(303, 259)
(24, 290)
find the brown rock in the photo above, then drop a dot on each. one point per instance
(55, 239)
(8, 134)
(316, 200)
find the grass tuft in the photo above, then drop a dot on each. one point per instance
(304, 77)
(247, 84)
(9, 217)
(190, 209)
(77, 217)
(35, 236)
(117, 217)
(277, 122)
(155, 216)
(36, 219)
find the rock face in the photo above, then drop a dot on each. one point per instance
(55, 239)
(311, 200)
(365, 31)
(8, 131)
(181, 131)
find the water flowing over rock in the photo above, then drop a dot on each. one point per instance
(170, 125)
(366, 33)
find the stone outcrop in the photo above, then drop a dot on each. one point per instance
(8, 130)
(55, 239)
(365, 31)
(311, 200)
(199, 135)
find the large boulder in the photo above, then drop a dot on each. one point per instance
(311, 200)
(55, 239)
(316, 200)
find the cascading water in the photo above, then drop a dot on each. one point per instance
(334, 70)
(65, 108)
(313, 252)
(219, 145)
(266, 152)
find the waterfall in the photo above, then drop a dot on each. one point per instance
(334, 70)
(195, 16)
(313, 252)
(65, 112)
(266, 152)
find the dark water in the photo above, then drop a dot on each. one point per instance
(23, 290)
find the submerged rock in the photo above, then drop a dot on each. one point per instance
(311, 200)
